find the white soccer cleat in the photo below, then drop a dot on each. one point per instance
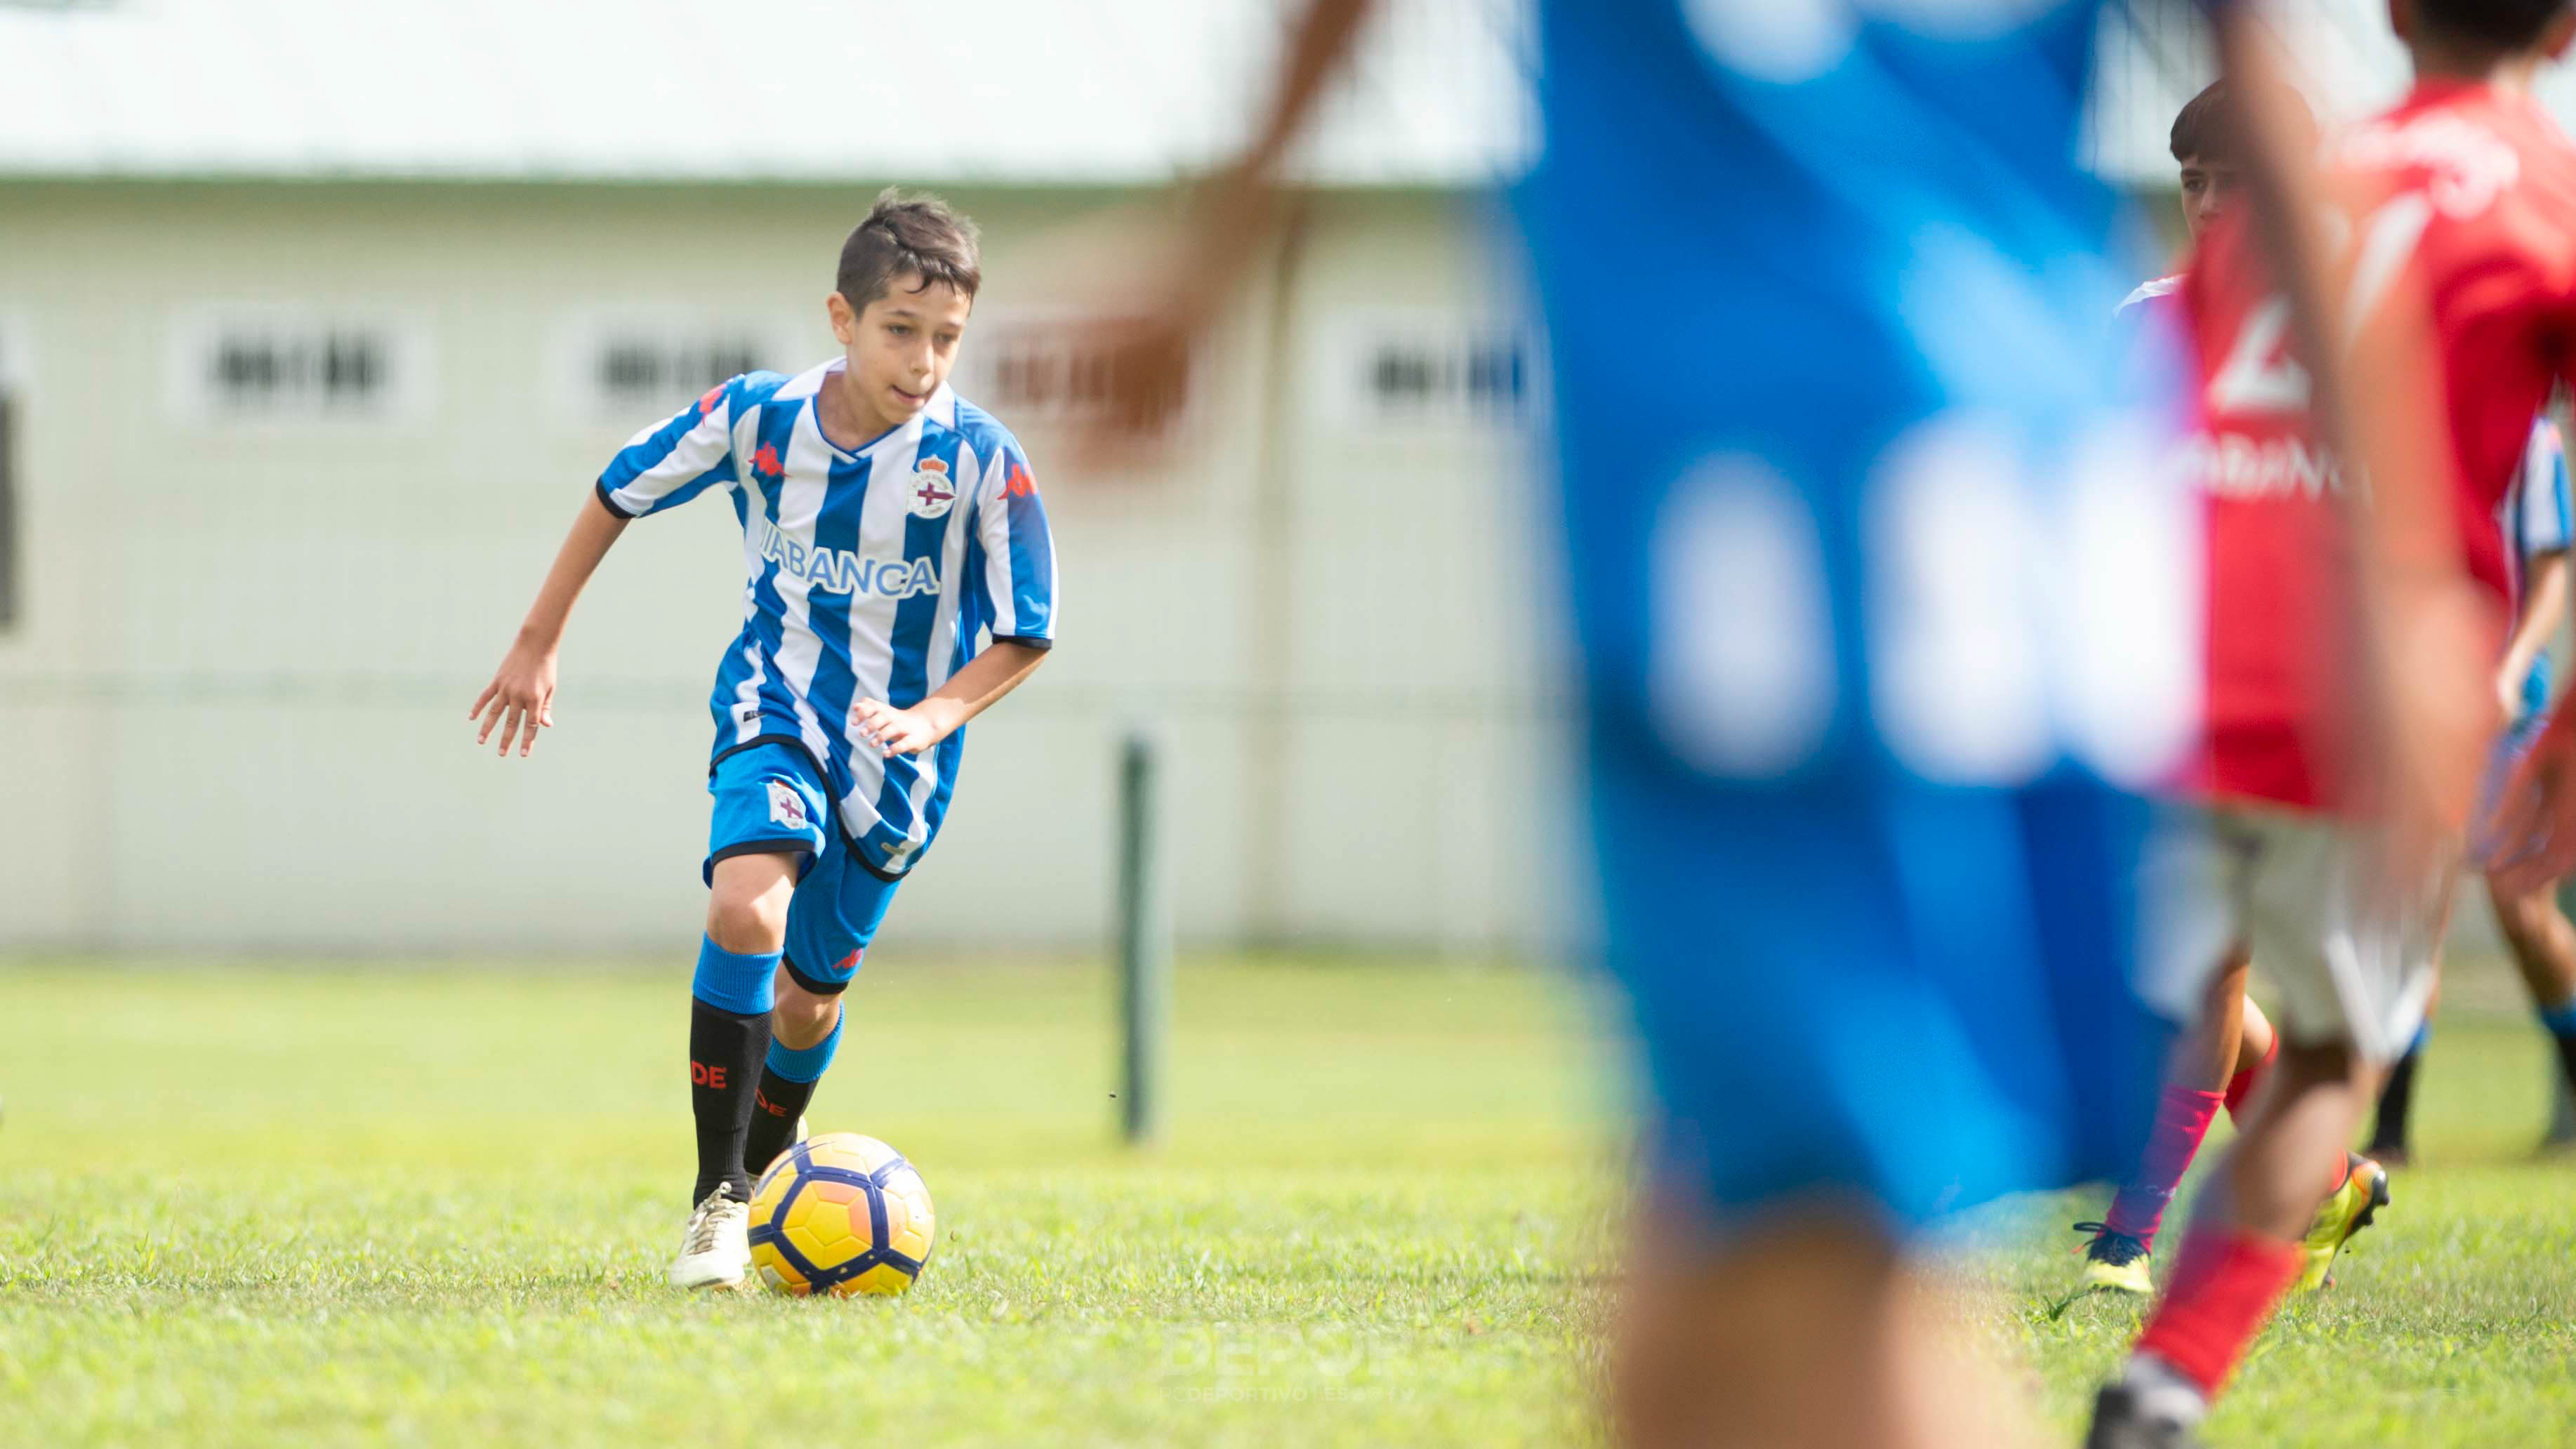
(716, 1250)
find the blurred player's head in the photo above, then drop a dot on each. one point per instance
(2503, 28)
(900, 302)
(2208, 144)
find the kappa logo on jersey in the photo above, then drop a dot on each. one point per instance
(786, 807)
(849, 963)
(1019, 483)
(765, 464)
(839, 571)
(930, 494)
(708, 403)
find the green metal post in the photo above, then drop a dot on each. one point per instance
(1144, 945)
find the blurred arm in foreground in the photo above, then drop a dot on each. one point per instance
(1230, 219)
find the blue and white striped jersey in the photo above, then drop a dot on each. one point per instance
(871, 574)
(2537, 522)
(2536, 517)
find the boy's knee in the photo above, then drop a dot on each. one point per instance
(2525, 918)
(750, 926)
(747, 910)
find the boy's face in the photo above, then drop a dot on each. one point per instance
(900, 346)
(2208, 189)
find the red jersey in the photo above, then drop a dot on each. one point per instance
(2461, 200)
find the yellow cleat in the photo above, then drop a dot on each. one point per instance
(2115, 1263)
(2347, 1211)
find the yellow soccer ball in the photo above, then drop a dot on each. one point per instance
(841, 1214)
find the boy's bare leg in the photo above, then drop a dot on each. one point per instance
(2543, 945)
(2207, 1054)
(1808, 1331)
(2267, 1183)
(2256, 1037)
(2244, 1249)
(2216, 1062)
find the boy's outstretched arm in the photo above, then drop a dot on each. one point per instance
(987, 677)
(521, 695)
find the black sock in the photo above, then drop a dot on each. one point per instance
(780, 1101)
(2396, 1100)
(725, 1052)
(2566, 1076)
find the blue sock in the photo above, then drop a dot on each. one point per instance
(2560, 1020)
(804, 1064)
(743, 985)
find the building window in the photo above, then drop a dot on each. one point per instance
(341, 370)
(1414, 369)
(637, 372)
(620, 366)
(1483, 376)
(294, 366)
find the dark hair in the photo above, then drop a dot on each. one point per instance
(2208, 129)
(908, 234)
(2505, 24)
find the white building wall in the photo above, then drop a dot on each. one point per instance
(232, 706)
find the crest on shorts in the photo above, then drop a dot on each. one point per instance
(930, 493)
(786, 807)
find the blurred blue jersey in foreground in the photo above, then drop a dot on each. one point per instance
(1884, 605)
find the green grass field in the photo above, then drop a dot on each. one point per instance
(432, 1206)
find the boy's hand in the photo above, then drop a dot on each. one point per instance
(520, 698)
(898, 731)
(2508, 690)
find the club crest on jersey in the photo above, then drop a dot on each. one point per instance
(786, 807)
(930, 494)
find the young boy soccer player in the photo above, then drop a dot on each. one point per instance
(888, 526)
(2461, 289)
(2538, 528)
(2221, 1057)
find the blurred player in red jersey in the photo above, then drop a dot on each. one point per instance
(2458, 289)
(2221, 1058)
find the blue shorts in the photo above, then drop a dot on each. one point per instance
(770, 799)
(1908, 997)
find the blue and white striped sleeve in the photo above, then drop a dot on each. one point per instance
(1016, 593)
(667, 465)
(2546, 524)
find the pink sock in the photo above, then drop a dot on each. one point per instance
(2182, 1119)
(2222, 1291)
(2242, 1085)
